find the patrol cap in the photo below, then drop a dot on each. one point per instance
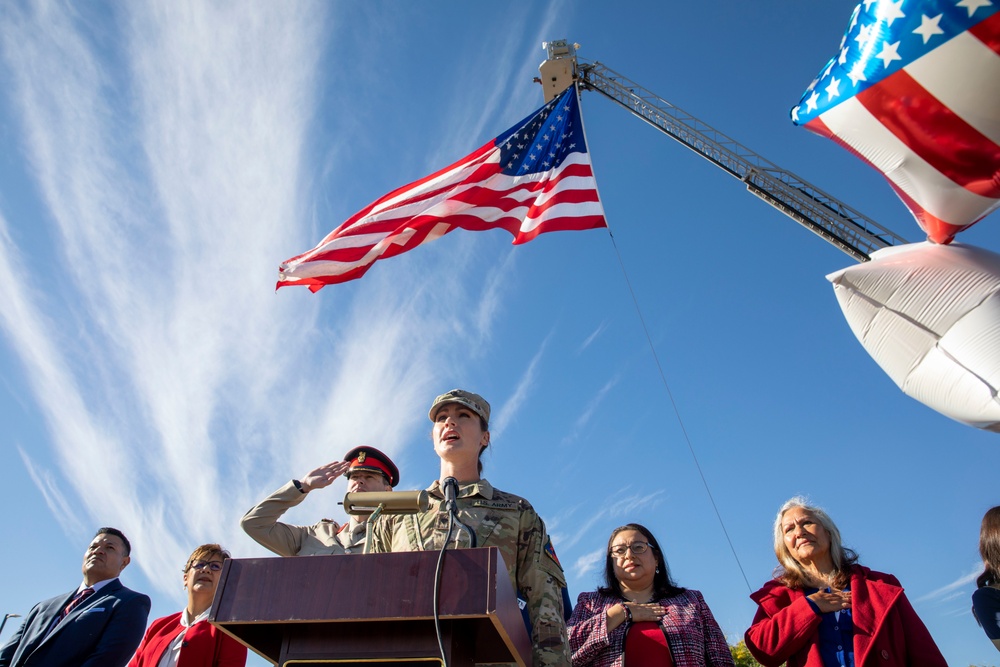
(370, 459)
(474, 402)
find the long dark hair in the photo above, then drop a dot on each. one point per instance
(989, 548)
(663, 584)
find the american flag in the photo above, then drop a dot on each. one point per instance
(915, 92)
(536, 177)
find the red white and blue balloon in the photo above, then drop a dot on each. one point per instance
(915, 91)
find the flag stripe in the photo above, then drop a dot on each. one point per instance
(937, 74)
(987, 31)
(423, 189)
(440, 186)
(852, 126)
(523, 200)
(534, 178)
(915, 92)
(481, 208)
(954, 148)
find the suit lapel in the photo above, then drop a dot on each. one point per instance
(101, 596)
(47, 618)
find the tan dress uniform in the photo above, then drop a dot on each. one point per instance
(326, 537)
(509, 523)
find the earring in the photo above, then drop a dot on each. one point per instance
(657, 570)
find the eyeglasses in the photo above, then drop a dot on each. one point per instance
(214, 566)
(638, 548)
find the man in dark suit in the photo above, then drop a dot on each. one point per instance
(97, 625)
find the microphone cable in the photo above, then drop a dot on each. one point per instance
(449, 485)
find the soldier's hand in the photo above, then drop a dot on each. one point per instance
(323, 475)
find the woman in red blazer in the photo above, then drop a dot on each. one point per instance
(187, 639)
(822, 609)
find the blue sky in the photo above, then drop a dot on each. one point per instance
(161, 160)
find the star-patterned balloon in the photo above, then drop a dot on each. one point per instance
(914, 91)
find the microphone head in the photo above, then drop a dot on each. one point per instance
(450, 489)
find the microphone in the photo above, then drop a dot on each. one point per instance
(450, 494)
(363, 503)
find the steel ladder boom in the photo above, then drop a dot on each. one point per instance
(847, 229)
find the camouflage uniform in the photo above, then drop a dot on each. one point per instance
(509, 523)
(326, 537)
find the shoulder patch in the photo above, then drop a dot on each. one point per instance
(551, 552)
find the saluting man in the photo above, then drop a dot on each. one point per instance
(367, 469)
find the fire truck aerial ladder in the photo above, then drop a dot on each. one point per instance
(830, 219)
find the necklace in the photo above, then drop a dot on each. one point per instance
(646, 601)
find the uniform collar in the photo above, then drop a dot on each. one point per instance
(478, 488)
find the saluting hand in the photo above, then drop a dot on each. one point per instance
(323, 475)
(828, 602)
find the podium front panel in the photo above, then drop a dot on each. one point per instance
(372, 608)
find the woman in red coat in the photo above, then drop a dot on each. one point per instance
(187, 639)
(822, 609)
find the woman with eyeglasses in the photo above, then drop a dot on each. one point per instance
(640, 616)
(186, 639)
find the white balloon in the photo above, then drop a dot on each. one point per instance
(929, 315)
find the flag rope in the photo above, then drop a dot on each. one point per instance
(659, 368)
(677, 413)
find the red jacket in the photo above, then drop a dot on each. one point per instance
(202, 643)
(887, 631)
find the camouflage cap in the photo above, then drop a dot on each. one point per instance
(474, 402)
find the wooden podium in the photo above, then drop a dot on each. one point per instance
(373, 610)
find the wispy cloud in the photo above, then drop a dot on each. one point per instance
(587, 563)
(948, 591)
(31, 333)
(498, 64)
(588, 412)
(592, 337)
(498, 278)
(520, 394)
(172, 166)
(626, 501)
(56, 501)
